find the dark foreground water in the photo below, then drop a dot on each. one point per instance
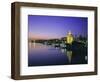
(44, 55)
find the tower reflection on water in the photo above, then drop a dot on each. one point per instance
(68, 54)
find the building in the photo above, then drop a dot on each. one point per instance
(69, 38)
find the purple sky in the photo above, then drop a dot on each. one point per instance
(56, 26)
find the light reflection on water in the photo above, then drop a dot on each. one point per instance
(68, 54)
(43, 55)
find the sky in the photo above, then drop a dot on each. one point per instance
(51, 27)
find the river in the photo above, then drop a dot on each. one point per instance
(44, 55)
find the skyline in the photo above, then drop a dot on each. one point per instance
(50, 27)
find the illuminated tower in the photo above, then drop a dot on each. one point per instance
(69, 38)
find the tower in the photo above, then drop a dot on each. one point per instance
(69, 38)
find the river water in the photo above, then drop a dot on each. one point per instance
(44, 55)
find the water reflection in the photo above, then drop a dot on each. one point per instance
(63, 50)
(43, 55)
(68, 53)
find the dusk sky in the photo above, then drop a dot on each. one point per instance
(50, 27)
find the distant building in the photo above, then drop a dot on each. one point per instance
(69, 38)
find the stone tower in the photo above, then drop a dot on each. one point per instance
(69, 38)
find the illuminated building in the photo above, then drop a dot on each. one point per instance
(69, 38)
